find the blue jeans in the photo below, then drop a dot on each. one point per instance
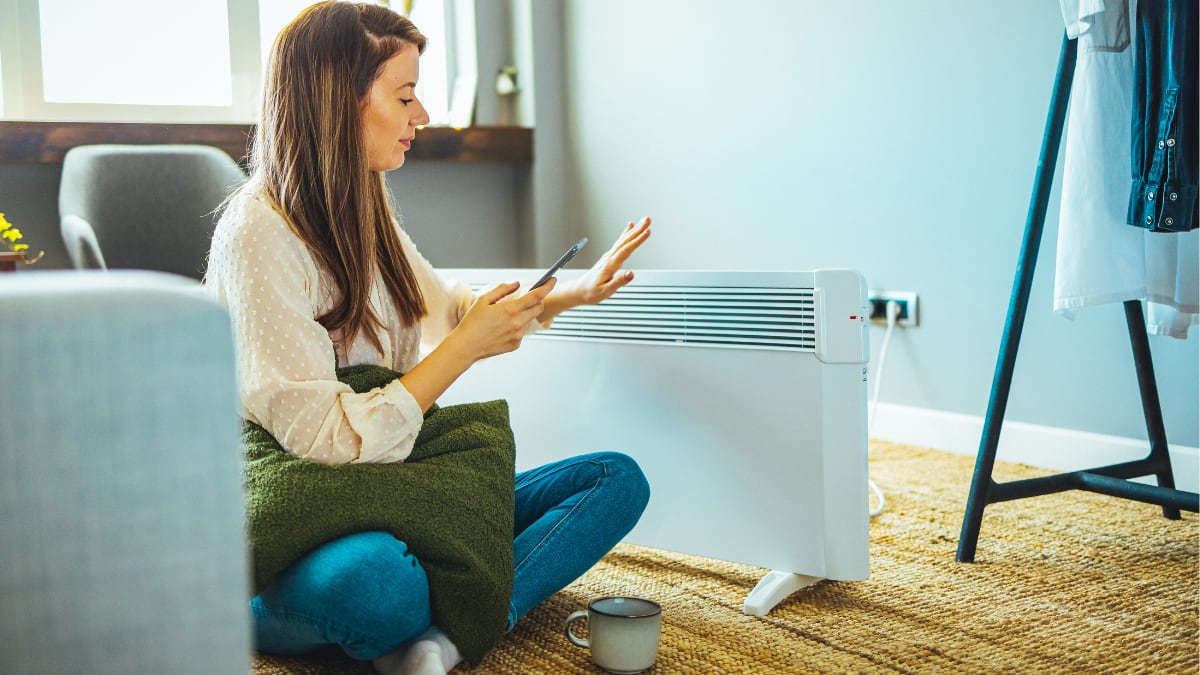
(367, 594)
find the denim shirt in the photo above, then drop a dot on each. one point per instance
(1165, 117)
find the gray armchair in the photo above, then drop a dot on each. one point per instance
(122, 545)
(149, 207)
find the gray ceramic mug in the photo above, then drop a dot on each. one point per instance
(623, 633)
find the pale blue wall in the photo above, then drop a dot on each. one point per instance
(461, 215)
(898, 138)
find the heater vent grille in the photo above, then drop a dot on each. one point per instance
(752, 317)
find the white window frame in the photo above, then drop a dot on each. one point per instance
(22, 96)
(462, 69)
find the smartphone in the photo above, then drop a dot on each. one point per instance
(566, 257)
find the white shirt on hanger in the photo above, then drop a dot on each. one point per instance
(1101, 259)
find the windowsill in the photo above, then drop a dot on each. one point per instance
(48, 142)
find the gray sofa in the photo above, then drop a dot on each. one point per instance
(122, 546)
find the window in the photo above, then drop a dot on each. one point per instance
(198, 61)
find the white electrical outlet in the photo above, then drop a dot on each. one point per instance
(907, 300)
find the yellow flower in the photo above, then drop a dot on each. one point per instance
(12, 234)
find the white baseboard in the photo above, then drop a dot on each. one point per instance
(1046, 447)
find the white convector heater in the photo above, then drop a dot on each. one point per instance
(742, 395)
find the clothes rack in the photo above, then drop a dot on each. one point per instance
(1115, 479)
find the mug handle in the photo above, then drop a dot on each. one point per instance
(575, 616)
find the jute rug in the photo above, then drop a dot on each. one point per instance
(1064, 583)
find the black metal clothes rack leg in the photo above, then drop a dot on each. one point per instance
(1111, 480)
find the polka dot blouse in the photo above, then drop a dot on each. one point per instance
(274, 292)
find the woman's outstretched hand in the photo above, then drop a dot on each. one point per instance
(606, 276)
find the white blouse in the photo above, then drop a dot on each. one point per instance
(287, 383)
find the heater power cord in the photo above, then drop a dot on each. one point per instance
(892, 312)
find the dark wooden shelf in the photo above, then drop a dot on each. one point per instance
(47, 142)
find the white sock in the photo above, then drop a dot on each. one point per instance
(419, 658)
(450, 655)
(432, 653)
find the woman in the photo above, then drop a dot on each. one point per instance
(317, 273)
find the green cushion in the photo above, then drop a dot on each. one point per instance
(451, 502)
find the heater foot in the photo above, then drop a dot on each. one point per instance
(772, 589)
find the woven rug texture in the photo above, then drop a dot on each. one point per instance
(1066, 583)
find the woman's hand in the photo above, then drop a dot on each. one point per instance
(604, 278)
(499, 319)
(494, 324)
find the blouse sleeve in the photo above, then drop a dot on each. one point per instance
(286, 361)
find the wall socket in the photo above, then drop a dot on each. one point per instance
(907, 300)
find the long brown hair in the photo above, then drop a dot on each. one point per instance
(310, 158)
